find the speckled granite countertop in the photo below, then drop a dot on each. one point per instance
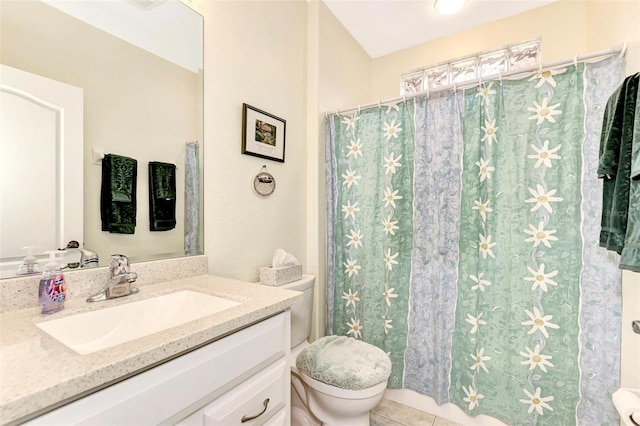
(38, 373)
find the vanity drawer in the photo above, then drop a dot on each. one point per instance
(258, 399)
(278, 419)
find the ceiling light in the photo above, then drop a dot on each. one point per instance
(448, 7)
(147, 4)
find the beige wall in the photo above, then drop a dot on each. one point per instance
(566, 28)
(341, 78)
(135, 104)
(344, 68)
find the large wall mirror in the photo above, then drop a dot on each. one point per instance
(136, 68)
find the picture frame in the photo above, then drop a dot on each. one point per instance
(263, 134)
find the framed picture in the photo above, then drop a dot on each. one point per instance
(263, 134)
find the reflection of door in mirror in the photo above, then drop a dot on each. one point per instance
(139, 100)
(40, 134)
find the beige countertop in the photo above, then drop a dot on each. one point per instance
(38, 373)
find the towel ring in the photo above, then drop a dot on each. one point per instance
(264, 183)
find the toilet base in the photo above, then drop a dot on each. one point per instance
(300, 415)
(325, 405)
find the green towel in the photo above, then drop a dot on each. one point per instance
(162, 196)
(615, 163)
(118, 194)
(630, 256)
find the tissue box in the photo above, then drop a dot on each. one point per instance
(280, 275)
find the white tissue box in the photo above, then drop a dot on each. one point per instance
(280, 275)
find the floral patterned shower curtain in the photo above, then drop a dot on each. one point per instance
(464, 242)
(373, 174)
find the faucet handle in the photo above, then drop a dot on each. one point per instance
(119, 264)
(120, 260)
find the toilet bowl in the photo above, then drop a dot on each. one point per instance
(336, 406)
(325, 401)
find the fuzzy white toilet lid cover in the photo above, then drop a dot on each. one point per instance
(345, 362)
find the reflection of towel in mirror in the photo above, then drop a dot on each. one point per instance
(118, 194)
(162, 196)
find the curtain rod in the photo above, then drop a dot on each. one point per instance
(500, 76)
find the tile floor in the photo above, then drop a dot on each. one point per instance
(391, 413)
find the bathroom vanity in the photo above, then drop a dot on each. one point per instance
(219, 369)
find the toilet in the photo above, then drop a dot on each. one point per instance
(326, 392)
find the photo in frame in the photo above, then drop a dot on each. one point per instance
(263, 134)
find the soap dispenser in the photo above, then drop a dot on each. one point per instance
(52, 291)
(30, 263)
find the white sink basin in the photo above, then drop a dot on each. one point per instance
(93, 331)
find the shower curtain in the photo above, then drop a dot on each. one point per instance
(192, 199)
(463, 241)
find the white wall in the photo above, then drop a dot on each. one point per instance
(255, 53)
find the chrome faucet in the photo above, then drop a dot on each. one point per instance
(119, 284)
(88, 258)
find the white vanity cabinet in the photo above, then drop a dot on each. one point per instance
(243, 376)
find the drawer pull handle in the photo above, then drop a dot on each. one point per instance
(249, 418)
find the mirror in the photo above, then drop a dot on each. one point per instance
(138, 66)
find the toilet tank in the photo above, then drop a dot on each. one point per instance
(301, 311)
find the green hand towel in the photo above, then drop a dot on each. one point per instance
(162, 196)
(118, 194)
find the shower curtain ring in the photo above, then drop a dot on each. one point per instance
(379, 105)
(338, 112)
(624, 49)
(575, 61)
(358, 109)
